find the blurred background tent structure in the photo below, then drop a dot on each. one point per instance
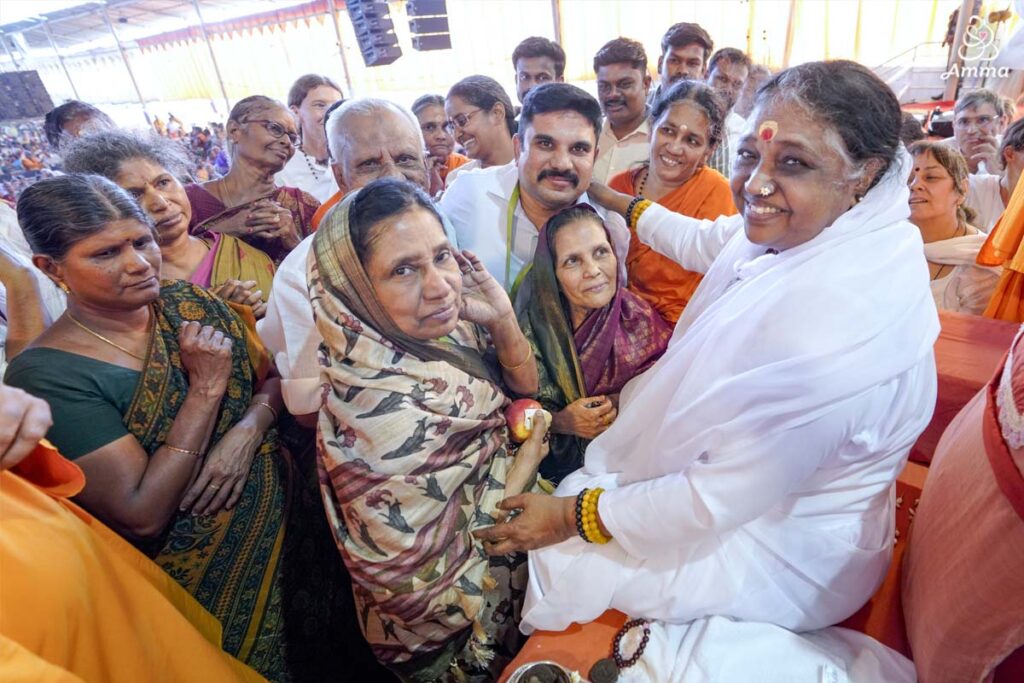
(195, 57)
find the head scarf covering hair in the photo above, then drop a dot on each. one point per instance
(613, 343)
(343, 275)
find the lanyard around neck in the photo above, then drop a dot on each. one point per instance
(510, 235)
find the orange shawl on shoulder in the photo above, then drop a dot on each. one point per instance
(661, 281)
(1003, 248)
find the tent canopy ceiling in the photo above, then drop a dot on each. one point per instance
(76, 27)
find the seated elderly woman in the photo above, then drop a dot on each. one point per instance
(150, 169)
(938, 187)
(688, 125)
(246, 202)
(162, 396)
(747, 483)
(414, 449)
(590, 334)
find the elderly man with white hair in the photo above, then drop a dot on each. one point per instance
(368, 139)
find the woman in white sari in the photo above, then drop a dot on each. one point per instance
(938, 189)
(750, 472)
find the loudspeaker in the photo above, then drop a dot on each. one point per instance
(428, 23)
(23, 96)
(375, 31)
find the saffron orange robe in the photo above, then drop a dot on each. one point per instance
(453, 162)
(324, 208)
(659, 280)
(79, 603)
(1003, 248)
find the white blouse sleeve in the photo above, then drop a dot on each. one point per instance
(290, 333)
(694, 244)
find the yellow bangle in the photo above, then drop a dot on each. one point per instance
(591, 528)
(529, 357)
(194, 454)
(268, 407)
(638, 211)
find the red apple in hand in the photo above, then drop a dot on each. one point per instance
(519, 416)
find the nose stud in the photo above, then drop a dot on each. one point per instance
(768, 189)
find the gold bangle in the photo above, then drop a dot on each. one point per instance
(194, 454)
(638, 211)
(529, 356)
(268, 407)
(591, 528)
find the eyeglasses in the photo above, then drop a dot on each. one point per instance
(460, 120)
(276, 130)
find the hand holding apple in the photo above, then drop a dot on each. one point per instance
(521, 416)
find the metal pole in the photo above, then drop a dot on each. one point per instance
(556, 20)
(333, 11)
(60, 59)
(213, 57)
(787, 50)
(10, 55)
(127, 66)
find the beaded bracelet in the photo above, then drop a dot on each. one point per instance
(586, 516)
(632, 205)
(620, 661)
(638, 210)
(579, 514)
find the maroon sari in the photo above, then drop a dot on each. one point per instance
(207, 210)
(613, 345)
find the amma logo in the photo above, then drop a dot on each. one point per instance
(977, 50)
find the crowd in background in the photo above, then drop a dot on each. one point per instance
(287, 351)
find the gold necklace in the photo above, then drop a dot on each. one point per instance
(102, 338)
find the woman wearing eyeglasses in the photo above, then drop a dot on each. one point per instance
(481, 117)
(246, 203)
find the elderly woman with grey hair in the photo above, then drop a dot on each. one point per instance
(246, 202)
(150, 167)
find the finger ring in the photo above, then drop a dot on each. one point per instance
(249, 231)
(214, 486)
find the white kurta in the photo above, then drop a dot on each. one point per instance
(477, 205)
(984, 196)
(968, 287)
(305, 173)
(15, 248)
(751, 471)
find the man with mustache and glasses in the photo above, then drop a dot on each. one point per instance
(685, 49)
(622, 83)
(727, 71)
(498, 212)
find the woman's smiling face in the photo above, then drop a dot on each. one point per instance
(805, 161)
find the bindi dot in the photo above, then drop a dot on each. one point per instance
(767, 130)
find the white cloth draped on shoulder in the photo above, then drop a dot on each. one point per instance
(750, 472)
(969, 286)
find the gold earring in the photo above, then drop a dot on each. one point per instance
(64, 287)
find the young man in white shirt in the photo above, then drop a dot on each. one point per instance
(369, 139)
(309, 98)
(622, 84)
(727, 71)
(498, 212)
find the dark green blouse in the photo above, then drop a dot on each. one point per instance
(87, 397)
